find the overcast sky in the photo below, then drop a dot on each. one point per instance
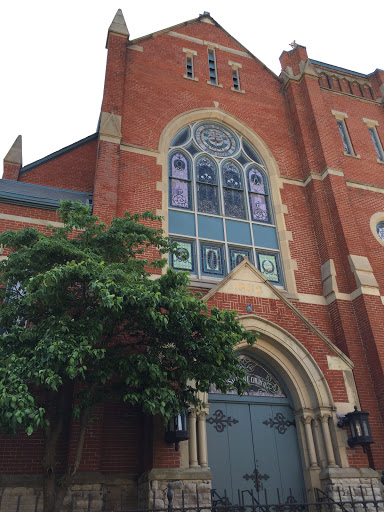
(52, 54)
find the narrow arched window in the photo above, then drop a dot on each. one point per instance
(206, 185)
(258, 195)
(180, 181)
(233, 190)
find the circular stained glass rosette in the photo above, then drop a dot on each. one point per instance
(216, 140)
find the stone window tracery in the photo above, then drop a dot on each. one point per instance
(219, 203)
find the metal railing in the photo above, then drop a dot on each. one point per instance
(342, 500)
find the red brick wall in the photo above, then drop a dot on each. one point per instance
(327, 218)
(164, 455)
(11, 171)
(74, 170)
(122, 438)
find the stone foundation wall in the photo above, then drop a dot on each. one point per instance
(350, 484)
(80, 498)
(108, 493)
(193, 484)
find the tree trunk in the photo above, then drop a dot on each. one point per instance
(59, 408)
(63, 483)
(49, 462)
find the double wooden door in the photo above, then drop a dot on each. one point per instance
(253, 448)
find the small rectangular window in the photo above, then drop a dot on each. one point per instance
(377, 143)
(212, 66)
(235, 67)
(236, 81)
(190, 73)
(348, 149)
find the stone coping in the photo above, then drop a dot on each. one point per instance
(349, 473)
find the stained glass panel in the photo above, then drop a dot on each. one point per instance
(234, 203)
(179, 166)
(236, 256)
(206, 171)
(380, 229)
(256, 181)
(207, 199)
(232, 176)
(182, 137)
(192, 149)
(252, 153)
(212, 259)
(242, 159)
(261, 381)
(180, 194)
(184, 260)
(259, 208)
(268, 266)
(216, 139)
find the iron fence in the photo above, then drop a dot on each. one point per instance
(342, 500)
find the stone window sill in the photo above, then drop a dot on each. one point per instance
(194, 79)
(237, 90)
(214, 85)
(352, 156)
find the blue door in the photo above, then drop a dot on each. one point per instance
(252, 442)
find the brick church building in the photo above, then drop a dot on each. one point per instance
(274, 187)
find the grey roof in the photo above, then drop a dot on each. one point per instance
(38, 196)
(337, 68)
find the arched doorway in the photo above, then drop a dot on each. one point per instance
(252, 440)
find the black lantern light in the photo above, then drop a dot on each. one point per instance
(177, 430)
(359, 426)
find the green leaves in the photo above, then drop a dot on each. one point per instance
(80, 307)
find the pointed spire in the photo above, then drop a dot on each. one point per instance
(15, 154)
(118, 25)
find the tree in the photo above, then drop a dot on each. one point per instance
(82, 320)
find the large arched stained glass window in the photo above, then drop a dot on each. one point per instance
(219, 203)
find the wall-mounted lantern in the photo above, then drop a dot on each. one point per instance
(358, 423)
(177, 430)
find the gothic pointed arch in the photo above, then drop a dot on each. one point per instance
(262, 201)
(311, 397)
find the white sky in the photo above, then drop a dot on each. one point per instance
(52, 54)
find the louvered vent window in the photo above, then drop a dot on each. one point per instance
(236, 81)
(190, 67)
(212, 66)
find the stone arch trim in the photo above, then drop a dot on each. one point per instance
(216, 114)
(297, 367)
(313, 403)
